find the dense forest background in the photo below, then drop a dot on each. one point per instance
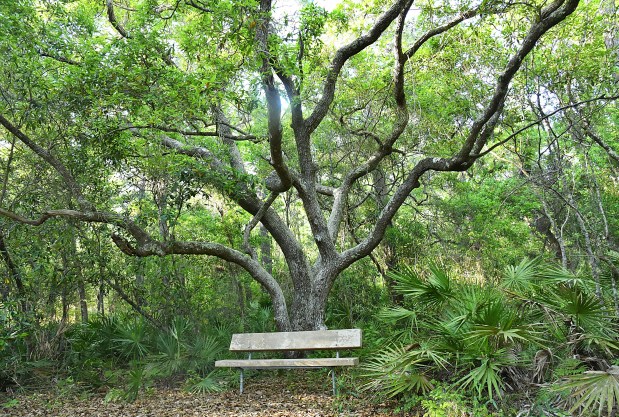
(443, 175)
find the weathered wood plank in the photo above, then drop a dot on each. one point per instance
(286, 363)
(307, 340)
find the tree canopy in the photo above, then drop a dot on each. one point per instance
(252, 131)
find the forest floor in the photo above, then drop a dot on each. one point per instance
(272, 396)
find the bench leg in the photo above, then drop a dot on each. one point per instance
(241, 380)
(333, 380)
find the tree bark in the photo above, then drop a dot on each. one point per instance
(14, 274)
(101, 296)
(81, 290)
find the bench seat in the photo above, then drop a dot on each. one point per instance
(286, 363)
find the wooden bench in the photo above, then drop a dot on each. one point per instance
(293, 341)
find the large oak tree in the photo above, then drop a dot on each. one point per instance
(237, 101)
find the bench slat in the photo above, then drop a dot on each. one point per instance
(308, 340)
(286, 363)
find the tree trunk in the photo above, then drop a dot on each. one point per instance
(101, 296)
(14, 274)
(81, 290)
(309, 301)
(265, 249)
(65, 306)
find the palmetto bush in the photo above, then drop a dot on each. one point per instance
(492, 339)
(129, 354)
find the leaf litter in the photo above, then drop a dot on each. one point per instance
(269, 396)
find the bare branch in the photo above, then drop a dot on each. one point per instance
(345, 53)
(67, 177)
(480, 132)
(438, 30)
(542, 119)
(114, 21)
(244, 137)
(59, 58)
(254, 221)
(385, 149)
(597, 139)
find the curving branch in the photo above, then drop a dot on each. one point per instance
(274, 106)
(439, 30)
(478, 136)
(386, 147)
(72, 185)
(341, 194)
(114, 21)
(247, 199)
(145, 245)
(111, 15)
(547, 116)
(343, 55)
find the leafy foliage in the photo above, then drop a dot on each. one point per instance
(593, 391)
(481, 338)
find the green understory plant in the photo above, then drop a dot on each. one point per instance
(490, 341)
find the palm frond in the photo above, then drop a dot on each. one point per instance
(522, 276)
(433, 291)
(208, 384)
(593, 390)
(132, 339)
(487, 375)
(396, 370)
(556, 275)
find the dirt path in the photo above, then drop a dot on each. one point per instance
(268, 397)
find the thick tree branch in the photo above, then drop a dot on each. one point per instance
(114, 21)
(248, 200)
(324, 190)
(253, 267)
(145, 245)
(67, 177)
(552, 15)
(341, 194)
(480, 132)
(340, 58)
(274, 106)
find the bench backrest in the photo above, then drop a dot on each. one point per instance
(308, 340)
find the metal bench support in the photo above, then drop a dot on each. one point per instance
(241, 380)
(241, 376)
(337, 355)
